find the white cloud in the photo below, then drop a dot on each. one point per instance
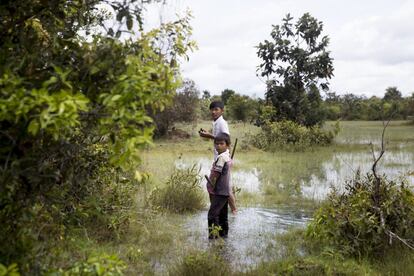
(371, 41)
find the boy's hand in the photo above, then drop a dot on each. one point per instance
(234, 211)
(204, 133)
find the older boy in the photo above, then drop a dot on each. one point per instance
(218, 187)
(219, 124)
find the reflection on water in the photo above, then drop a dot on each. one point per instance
(314, 176)
(251, 231)
(343, 166)
(247, 180)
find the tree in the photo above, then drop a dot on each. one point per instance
(204, 105)
(206, 95)
(184, 108)
(295, 58)
(242, 108)
(392, 94)
(393, 103)
(226, 94)
(351, 107)
(73, 114)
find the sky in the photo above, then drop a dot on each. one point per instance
(371, 42)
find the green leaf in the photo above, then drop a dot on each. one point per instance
(33, 127)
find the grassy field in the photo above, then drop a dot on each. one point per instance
(157, 242)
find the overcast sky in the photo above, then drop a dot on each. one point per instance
(371, 42)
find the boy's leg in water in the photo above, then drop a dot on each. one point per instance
(223, 220)
(217, 204)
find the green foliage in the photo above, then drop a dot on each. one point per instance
(288, 135)
(184, 108)
(226, 94)
(10, 270)
(351, 223)
(392, 94)
(102, 265)
(296, 60)
(182, 192)
(353, 107)
(203, 264)
(242, 108)
(73, 116)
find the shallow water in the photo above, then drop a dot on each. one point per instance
(248, 180)
(251, 234)
(315, 175)
(296, 176)
(343, 166)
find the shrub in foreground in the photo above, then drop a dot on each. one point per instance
(357, 223)
(203, 264)
(181, 193)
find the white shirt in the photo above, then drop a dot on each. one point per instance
(219, 126)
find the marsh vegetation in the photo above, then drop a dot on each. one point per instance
(280, 190)
(86, 190)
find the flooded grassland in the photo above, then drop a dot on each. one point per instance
(279, 190)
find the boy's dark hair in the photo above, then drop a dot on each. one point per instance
(215, 104)
(222, 137)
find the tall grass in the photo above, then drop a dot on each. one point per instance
(182, 192)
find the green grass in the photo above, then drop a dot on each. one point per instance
(156, 243)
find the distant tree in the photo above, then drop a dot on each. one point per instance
(410, 106)
(374, 109)
(184, 108)
(242, 108)
(393, 103)
(226, 94)
(294, 59)
(206, 95)
(392, 94)
(266, 113)
(331, 97)
(204, 105)
(351, 107)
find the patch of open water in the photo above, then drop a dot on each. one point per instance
(343, 166)
(251, 234)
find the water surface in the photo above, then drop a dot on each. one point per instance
(251, 234)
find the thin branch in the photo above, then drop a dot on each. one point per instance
(404, 241)
(376, 160)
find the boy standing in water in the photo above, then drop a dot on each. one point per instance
(219, 188)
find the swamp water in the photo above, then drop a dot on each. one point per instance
(251, 236)
(253, 230)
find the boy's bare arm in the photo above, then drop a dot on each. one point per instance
(205, 134)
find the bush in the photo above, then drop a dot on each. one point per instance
(288, 135)
(203, 264)
(10, 270)
(182, 192)
(96, 265)
(351, 223)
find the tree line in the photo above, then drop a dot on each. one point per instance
(190, 105)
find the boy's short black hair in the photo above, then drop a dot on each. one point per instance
(222, 137)
(219, 104)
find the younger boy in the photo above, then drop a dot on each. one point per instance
(219, 188)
